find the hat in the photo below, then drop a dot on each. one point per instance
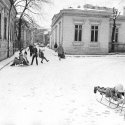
(119, 88)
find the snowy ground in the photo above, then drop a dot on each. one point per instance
(60, 92)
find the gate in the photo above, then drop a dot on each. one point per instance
(117, 47)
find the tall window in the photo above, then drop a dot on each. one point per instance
(56, 34)
(0, 25)
(59, 32)
(94, 33)
(78, 32)
(5, 27)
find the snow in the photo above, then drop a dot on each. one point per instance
(60, 92)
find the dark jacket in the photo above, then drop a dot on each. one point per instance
(60, 50)
(31, 48)
(41, 54)
(35, 51)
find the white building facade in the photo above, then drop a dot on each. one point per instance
(6, 38)
(85, 31)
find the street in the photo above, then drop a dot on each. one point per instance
(60, 92)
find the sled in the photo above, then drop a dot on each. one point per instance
(111, 101)
(23, 65)
(20, 65)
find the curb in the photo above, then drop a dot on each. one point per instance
(5, 65)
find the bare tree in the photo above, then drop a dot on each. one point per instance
(24, 8)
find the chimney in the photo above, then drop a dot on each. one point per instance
(124, 11)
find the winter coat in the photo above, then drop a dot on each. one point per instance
(41, 54)
(31, 48)
(21, 57)
(60, 50)
(35, 51)
(25, 57)
(110, 92)
(16, 61)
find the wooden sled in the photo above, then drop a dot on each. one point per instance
(113, 102)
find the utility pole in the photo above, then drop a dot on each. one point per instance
(114, 17)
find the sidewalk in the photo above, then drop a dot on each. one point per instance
(7, 61)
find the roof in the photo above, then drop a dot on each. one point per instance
(86, 11)
(82, 12)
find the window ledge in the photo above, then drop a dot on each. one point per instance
(77, 43)
(94, 44)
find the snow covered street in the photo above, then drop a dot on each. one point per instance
(60, 92)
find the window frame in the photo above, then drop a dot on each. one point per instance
(60, 23)
(5, 27)
(93, 38)
(56, 34)
(0, 26)
(77, 31)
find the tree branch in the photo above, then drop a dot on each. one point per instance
(20, 6)
(17, 2)
(32, 11)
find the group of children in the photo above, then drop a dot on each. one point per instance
(22, 59)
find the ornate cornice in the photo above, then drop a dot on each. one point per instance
(80, 13)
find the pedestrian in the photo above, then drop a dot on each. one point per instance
(60, 52)
(41, 55)
(18, 60)
(35, 55)
(31, 49)
(21, 57)
(26, 62)
(55, 46)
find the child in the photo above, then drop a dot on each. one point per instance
(60, 52)
(41, 55)
(16, 61)
(26, 62)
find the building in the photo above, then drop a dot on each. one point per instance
(41, 36)
(26, 34)
(6, 38)
(86, 30)
(47, 38)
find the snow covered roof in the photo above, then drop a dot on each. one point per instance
(91, 7)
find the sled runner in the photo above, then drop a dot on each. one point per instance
(106, 103)
(23, 65)
(110, 97)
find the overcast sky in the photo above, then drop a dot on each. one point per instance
(51, 9)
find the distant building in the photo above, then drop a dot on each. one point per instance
(41, 36)
(26, 35)
(6, 46)
(87, 30)
(47, 38)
